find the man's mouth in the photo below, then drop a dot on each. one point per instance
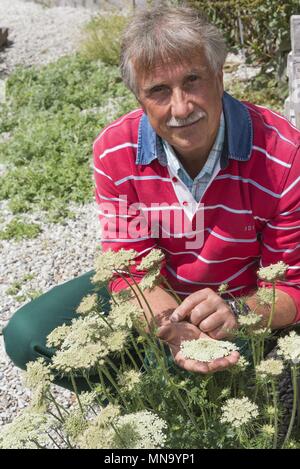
(182, 126)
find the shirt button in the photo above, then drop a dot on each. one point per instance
(185, 203)
(174, 179)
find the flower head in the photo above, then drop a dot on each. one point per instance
(124, 315)
(152, 260)
(270, 367)
(206, 350)
(88, 304)
(27, 431)
(57, 336)
(150, 279)
(268, 430)
(265, 296)
(223, 288)
(129, 380)
(249, 319)
(146, 431)
(273, 272)
(109, 262)
(76, 359)
(289, 347)
(38, 374)
(238, 412)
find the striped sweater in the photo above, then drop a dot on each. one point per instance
(248, 216)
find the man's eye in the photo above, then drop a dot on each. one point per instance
(193, 78)
(158, 89)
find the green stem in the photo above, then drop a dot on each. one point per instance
(76, 391)
(273, 306)
(113, 382)
(275, 403)
(294, 410)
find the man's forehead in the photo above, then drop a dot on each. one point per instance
(165, 70)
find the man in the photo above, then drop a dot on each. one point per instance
(193, 143)
(228, 169)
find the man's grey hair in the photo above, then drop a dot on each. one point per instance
(167, 34)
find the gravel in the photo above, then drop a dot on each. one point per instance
(38, 36)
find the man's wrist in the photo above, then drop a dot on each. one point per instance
(238, 307)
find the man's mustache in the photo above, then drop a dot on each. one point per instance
(191, 119)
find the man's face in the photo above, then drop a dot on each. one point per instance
(183, 103)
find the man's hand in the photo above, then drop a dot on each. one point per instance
(175, 333)
(208, 311)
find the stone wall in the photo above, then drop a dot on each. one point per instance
(292, 104)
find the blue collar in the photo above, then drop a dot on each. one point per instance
(238, 135)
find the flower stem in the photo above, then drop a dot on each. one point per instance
(294, 410)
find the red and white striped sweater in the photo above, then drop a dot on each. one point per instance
(251, 207)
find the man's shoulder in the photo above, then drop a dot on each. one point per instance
(273, 130)
(124, 129)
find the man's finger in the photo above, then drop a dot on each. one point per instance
(191, 365)
(183, 310)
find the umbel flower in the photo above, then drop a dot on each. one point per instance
(238, 412)
(88, 304)
(27, 431)
(152, 260)
(147, 431)
(206, 350)
(289, 347)
(76, 359)
(273, 272)
(265, 296)
(107, 263)
(38, 374)
(249, 319)
(150, 279)
(270, 367)
(124, 315)
(129, 380)
(223, 288)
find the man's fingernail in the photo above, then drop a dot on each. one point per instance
(174, 317)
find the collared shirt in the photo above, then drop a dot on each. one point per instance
(197, 185)
(250, 209)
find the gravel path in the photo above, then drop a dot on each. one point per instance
(39, 35)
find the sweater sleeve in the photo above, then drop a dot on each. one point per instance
(123, 225)
(281, 235)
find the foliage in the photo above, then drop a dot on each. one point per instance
(266, 24)
(53, 121)
(17, 229)
(102, 39)
(153, 403)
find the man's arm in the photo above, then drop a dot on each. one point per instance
(208, 311)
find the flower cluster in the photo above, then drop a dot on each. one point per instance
(88, 304)
(238, 412)
(206, 350)
(249, 319)
(265, 296)
(109, 262)
(289, 347)
(129, 380)
(273, 272)
(270, 367)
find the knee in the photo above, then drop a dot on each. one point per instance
(20, 341)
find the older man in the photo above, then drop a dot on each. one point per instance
(195, 148)
(222, 171)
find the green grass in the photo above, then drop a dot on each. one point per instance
(18, 230)
(50, 151)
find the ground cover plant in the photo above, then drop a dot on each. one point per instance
(137, 398)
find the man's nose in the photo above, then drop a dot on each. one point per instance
(181, 106)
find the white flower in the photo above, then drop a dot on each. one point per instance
(38, 375)
(107, 263)
(129, 379)
(206, 350)
(146, 431)
(124, 315)
(152, 260)
(273, 272)
(289, 347)
(88, 304)
(150, 279)
(265, 296)
(270, 367)
(249, 319)
(27, 431)
(238, 412)
(268, 430)
(223, 288)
